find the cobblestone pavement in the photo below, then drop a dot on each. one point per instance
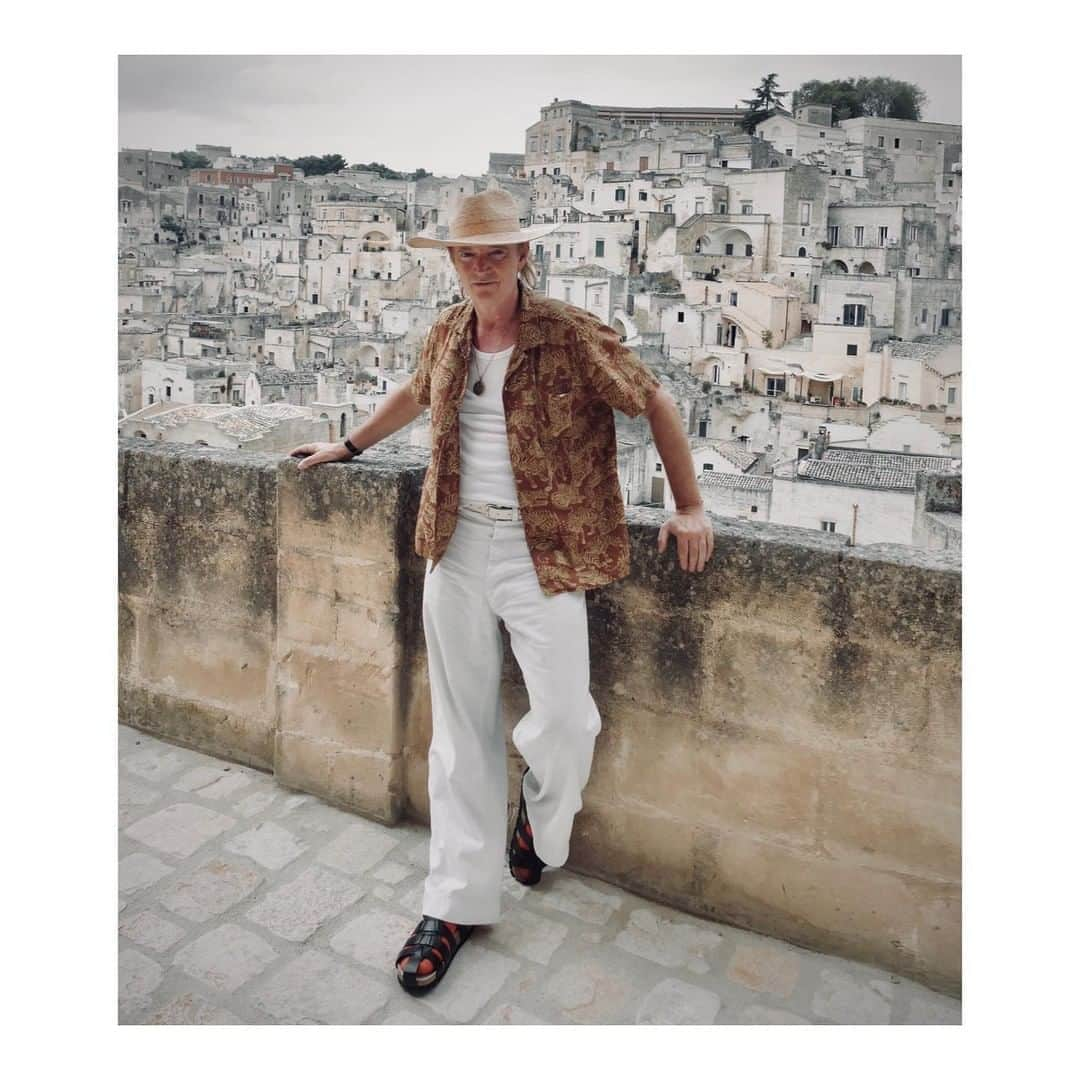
(244, 903)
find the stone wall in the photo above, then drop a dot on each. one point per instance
(781, 734)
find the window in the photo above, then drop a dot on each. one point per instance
(788, 151)
(881, 140)
(902, 391)
(913, 271)
(814, 300)
(833, 234)
(853, 350)
(828, 526)
(558, 251)
(699, 206)
(707, 467)
(951, 396)
(847, 172)
(860, 235)
(729, 249)
(669, 208)
(567, 292)
(949, 183)
(802, 253)
(599, 249)
(733, 299)
(918, 144)
(723, 163)
(747, 207)
(592, 196)
(896, 144)
(907, 448)
(556, 171)
(643, 164)
(659, 467)
(804, 213)
(681, 317)
(774, 385)
(854, 314)
(642, 196)
(882, 235)
(749, 249)
(722, 209)
(923, 317)
(620, 194)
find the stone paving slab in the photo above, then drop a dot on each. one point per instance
(243, 902)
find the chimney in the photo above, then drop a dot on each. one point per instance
(821, 443)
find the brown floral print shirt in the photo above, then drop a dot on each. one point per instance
(567, 372)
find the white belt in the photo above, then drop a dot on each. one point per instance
(493, 511)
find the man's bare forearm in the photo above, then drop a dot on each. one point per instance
(674, 449)
(399, 408)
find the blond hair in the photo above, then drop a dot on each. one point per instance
(529, 274)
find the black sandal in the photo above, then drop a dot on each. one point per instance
(522, 855)
(429, 941)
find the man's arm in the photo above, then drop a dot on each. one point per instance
(399, 408)
(674, 449)
(690, 524)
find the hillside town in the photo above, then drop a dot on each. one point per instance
(796, 287)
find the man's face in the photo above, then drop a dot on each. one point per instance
(489, 274)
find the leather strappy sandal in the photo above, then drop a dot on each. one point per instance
(525, 865)
(432, 940)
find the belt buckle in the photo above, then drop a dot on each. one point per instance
(501, 513)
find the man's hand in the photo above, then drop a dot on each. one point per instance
(320, 453)
(693, 533)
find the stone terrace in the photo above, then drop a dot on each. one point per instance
(781, 741)
(242, 902)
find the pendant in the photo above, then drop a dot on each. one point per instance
(478, 386)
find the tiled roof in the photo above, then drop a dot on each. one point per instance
(238, 422)
(736, 453)
(273, 376)
(882, 470)
(738, 481)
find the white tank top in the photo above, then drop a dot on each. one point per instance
(486, 474)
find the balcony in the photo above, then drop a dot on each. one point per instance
(781, 740)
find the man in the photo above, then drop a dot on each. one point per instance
(521, 513)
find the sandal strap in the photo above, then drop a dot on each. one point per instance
(431, 938)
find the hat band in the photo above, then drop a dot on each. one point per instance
(483, 228)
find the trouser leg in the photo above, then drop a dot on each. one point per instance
(467, 759)
(550, 641)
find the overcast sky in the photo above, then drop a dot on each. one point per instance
(447, 113)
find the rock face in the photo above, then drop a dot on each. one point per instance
(781, 733)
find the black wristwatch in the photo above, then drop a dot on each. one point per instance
(352, 449)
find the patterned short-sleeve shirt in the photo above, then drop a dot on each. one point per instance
(567, 372)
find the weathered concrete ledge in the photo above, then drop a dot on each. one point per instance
(781, 734)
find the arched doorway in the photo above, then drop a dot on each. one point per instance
(837, 266)
(866, 268)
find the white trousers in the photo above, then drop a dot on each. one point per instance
(487, 574)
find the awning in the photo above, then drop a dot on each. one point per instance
(774, 371)
(825, 376)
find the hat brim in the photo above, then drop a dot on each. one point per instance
(521, 236)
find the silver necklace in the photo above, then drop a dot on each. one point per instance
(478, 386)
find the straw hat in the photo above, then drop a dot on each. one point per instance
(485, 219)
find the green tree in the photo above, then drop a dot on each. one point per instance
(319, 166)
(190, 160)
(766, 97)
(879, 96)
